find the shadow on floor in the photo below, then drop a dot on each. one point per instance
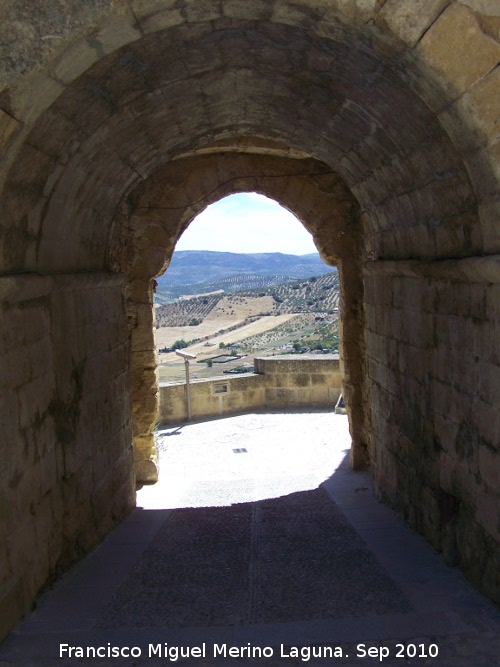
(286, 559)
(325, 566)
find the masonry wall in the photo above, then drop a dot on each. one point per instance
(433, 366)
(292, 382)
(66, 474)
(396, 97)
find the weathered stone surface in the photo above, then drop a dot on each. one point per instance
(31, 34)
(485, 99)
(132, 117)
(158, 20)
(28, 103)
(122, 30)
(75, 60)
(8, 128)
(485, 7)
(448, 42)
(444, 418)
(53, 327)
(409, 21)
(147, 471)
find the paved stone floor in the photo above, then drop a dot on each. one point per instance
(259, 538)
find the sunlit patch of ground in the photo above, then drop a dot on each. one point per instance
(246, 458)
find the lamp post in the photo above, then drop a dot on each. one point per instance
(187, 356)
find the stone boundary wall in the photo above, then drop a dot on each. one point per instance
(294, 381)
(66, 473)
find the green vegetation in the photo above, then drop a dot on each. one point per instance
(326, 337)
(186, 312)
(239, 369)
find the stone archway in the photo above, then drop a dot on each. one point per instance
(159, 210)
(400, 105)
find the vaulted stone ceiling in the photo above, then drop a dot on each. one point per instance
(111, 93)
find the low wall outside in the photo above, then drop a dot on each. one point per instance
(311, 381)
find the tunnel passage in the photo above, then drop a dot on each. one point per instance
(399, 105)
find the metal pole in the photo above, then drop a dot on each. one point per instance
(188, 391)
(187, 356)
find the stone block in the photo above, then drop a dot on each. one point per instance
(21, 543)
(13, 604)
(143, 447)
(19, 368)
(489, 468)
(44, 526)
(463, 482)
(40, 358)
(418, 362)
(488, 382)
(120, 31)
(489, 212)
(34, 398)
(202, 11)
(5, 568)
(484, 98)
(409, 21)
(320, 379)
(141, 340)
(279, 396)
(361, 9)
(153, 15)
(457, 48)
(144, 359)
(488, 513)
(146, 471)
(142, 8)
(485, 7)
(257, 10)
(9, 127)
(145, 316)
(48, 472)
(493, 301)
(30, 100)
(75, 60)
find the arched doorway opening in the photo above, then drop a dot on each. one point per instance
(256, 306)
(152, 225)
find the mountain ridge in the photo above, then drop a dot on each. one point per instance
(200, 271)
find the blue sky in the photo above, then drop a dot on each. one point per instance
(247, 222)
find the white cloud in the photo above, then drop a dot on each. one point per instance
(247, 222)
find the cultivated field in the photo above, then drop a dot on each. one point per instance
(205, 351)
(166, 336)
(241, 307)
(255, 322)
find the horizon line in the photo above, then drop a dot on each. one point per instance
(260, 252)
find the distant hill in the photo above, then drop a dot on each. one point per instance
(312, 295)
(203, 271)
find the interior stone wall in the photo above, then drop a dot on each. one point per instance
(432, 343)
(66, 476)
